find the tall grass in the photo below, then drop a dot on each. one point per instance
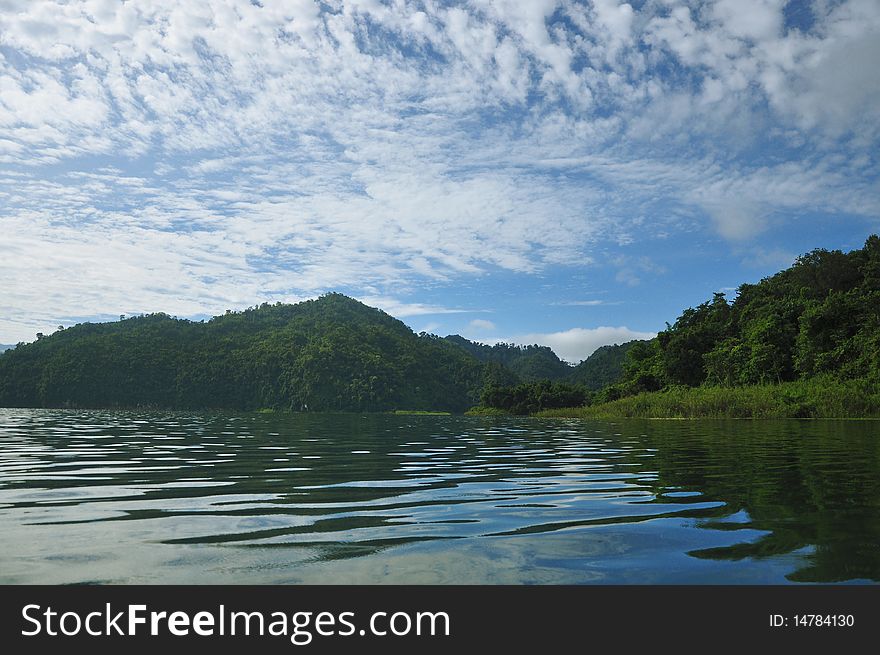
(419, 412)
(820, 397)
(479, 410)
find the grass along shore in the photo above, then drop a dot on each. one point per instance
(820, 397)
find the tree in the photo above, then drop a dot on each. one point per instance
(694, 334)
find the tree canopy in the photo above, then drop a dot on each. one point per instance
(529, 363)
(333, 353)
(820, 316)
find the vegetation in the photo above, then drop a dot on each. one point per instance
(532, 397)
(821, 316)
(604, 367)
(329, 354)
(526, 363)
(482, 410)
(418, 412)
(560, 386)
(802, 343)
(820, 397)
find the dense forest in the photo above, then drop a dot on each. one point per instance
(583, 384)
(817, 320)
(604, 367)
(329, 354)
(533, 363)
(820, 316)
(332, 353)
(803, 342)
(528, 363)
(529, 379)
(532, 397)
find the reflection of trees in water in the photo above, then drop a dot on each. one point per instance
(238, 451)
(227, 465)
(812, 485)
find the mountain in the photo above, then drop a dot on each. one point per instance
(329, 354)
(603, 367)
(535, 363)
(528, 363)
(5, 346)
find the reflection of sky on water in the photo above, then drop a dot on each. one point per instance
(125, 497)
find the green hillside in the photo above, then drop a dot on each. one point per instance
(329, 354)
(820, 316)
(818, 321)
(603, 367)
(528, 363)
(804, 343)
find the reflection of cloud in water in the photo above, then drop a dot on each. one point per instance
(90, 496)
(650, 553)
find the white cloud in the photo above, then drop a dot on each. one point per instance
(737, 220)
(585, 303)
(631, 269)
(750, 19)
(770, 260)
(617, 19)
(577, 344)
(276, 150)
(401, 309)
(430, 328)
(481, 324)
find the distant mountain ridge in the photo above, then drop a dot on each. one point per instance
(528, 363)
(603, 367)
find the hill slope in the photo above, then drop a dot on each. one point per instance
(819, 317)
(603, 367)
(528, 363)
(333, 353)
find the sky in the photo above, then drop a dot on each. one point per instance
(569, 173)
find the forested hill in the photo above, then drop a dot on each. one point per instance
(528, 363)
(820, 317)
(333, 353)
(603, 367)
(535, 363)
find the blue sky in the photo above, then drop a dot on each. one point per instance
(557, 172)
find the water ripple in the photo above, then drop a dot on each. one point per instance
(100, 491)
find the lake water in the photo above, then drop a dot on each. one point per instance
(128, 497)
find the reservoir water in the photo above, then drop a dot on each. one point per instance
(147, 497)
